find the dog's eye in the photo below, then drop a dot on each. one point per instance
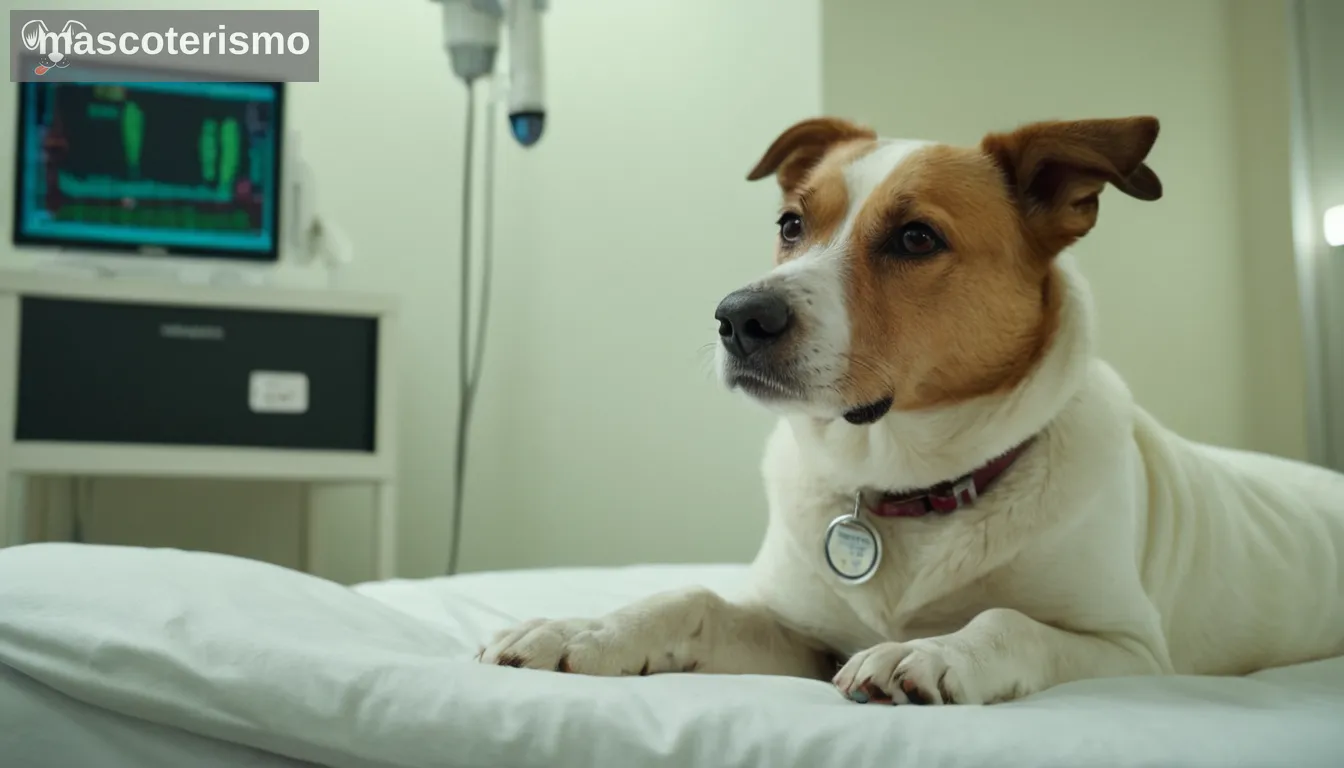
(916, 239)
(790, 227)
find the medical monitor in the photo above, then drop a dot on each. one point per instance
(157, 168)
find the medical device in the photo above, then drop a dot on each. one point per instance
(472, 38)
(150, 168)
(472, 35)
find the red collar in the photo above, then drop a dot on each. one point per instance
(948, 497)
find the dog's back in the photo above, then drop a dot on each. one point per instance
(1243, 553)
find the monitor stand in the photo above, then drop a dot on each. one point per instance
(148, 265)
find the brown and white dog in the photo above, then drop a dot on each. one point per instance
(929, 347)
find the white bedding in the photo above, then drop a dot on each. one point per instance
(106, 646)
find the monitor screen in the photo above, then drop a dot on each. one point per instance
(181, 168)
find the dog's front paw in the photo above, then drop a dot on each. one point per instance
(919, 672)
(583, 646)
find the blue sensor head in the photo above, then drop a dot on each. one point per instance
(527, 126)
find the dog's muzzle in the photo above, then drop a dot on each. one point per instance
(752, 320)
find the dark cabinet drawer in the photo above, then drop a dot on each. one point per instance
(94, 371)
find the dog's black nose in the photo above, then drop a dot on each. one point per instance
(751, 319)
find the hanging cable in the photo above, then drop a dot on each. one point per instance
(469, 364)
(463, 332)
(487, 243)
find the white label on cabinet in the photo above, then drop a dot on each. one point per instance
(278, 392)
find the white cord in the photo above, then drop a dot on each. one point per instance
(470, 365)
(487, 242)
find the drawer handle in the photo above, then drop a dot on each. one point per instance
(277, 392)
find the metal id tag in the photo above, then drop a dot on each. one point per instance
(853, 549)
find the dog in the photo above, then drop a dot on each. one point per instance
(966, 504)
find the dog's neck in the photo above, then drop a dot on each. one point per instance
(915, 450)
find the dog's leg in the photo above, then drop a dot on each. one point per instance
(1000, 655)
(682, 631)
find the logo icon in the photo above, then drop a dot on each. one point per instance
(36, 32)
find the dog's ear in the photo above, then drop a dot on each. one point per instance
(797, 150)
(1057, 170)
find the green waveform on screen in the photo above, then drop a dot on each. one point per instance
(99, 111)
(220, 145)
(209, 146)
(230, 146)
(132, 135)
(108, 188)
(165, 217)
(220, 149)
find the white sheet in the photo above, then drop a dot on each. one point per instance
(381, 675)
(42, 728)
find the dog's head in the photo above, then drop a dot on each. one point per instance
(912, 274)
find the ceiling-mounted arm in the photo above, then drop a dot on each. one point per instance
(471, 34)
(527, 93)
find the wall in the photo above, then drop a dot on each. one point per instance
(1170, 277)
(1320, 25)
(601, 436)
(621, 447)
(1276, 365)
